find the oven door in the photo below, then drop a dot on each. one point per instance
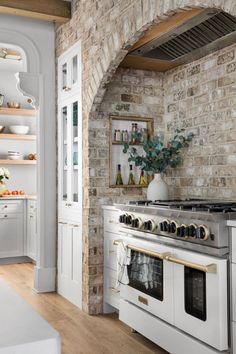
(150, 278)
(200, 296)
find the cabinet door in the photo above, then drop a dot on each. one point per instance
(11, 235)
(69, 69)
(70, 262)
(31, 235)
(70, 154)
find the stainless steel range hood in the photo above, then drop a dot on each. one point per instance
(209, 31)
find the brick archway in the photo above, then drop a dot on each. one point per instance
(106, 43)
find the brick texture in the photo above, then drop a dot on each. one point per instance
(205, 105)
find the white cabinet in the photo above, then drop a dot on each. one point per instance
(31, 228)
(11, 229)
(69, 73)
(70, 176)
(70, 262)
(111, 233)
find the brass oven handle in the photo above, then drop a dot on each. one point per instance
(210, 268)
(143, 250)
(114, 290)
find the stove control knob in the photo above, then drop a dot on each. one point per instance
(192, 230)
(203, 232)
(122, 218)
(165, 225)
(137, 223)
(150, 225)
(174, 227)
(183, 231)
(128, 219)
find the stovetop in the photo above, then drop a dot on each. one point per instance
(195, 205)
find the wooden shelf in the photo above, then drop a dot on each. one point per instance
(18, 162)
(128, 186)
(17, 112)
(122, 143)
(17, 137)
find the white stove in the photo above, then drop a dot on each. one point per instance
(179, 269)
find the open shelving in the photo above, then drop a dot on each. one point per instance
(17, 111)
(18, 162)
(17, 136)
(116, 148)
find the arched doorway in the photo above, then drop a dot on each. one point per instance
(37, 81)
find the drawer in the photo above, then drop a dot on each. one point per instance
(233, 244)
(110, 250)
(111, 293)
(111, 220)
(15, 206)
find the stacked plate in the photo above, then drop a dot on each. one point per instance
(13, 155)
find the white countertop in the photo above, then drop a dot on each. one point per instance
(22, 329)
(231, 223)
(12, 197)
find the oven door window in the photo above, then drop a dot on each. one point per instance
(146, 274)
(195, 293)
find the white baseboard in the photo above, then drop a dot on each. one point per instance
(44, 279)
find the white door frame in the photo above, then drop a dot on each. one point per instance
(38, 82)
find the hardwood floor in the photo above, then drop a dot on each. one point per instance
(80, 333)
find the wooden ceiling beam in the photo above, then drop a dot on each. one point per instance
(48, 10)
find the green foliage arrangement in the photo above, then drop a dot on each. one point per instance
(157, 157)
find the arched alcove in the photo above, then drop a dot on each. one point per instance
(37, 81)
(109, 53)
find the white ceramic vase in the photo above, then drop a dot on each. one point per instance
(157, 189)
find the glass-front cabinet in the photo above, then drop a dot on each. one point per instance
(70, 148)
(69, 73)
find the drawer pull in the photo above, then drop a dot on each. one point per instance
(114, 290)
(143, 300)
(62, 222)
(5, 206)
(74, 225)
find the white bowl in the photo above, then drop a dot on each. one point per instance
(19, 129)
(14, 157)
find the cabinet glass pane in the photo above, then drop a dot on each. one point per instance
(74, 69)
(64, 157)
(64, 76)
(75, 152)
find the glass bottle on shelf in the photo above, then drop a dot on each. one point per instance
(125, 136)
(134, 131)
(131, 180)
(142, 179)
(119, 179)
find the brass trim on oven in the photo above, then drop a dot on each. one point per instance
(143, 300)
(114, 290)
(143, 250)
(210, 268)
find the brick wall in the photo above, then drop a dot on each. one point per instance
(107, 28)
(201, 97)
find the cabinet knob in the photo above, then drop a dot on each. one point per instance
(66, 88)
(5, 206)
(5, 216)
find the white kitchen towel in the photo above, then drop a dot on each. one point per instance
(123, 260)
